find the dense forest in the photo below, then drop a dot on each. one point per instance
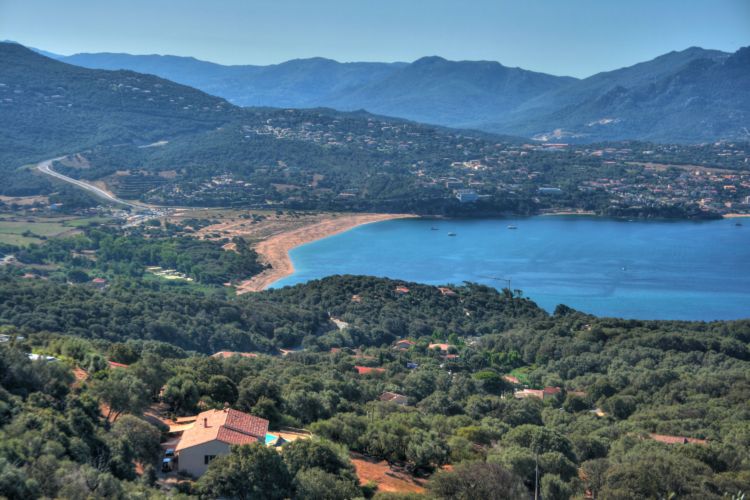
(621, 382)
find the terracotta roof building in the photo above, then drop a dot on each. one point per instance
(213, 432)
(403, 344)
(442, 347)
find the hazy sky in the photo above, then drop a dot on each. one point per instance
(566, 37)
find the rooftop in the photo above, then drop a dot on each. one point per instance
(228, 426)
(229, 354)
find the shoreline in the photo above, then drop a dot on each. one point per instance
(274, 251)
(735, 216)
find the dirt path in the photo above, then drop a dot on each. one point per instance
(387, 479)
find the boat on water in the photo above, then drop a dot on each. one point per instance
(738, 224)
(512, 227)
(433, 228)
(451, 234)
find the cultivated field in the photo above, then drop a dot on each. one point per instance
(25, 230)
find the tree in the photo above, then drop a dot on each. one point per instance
(304, 454)
(121, 392)
(77, 276)
(141, 437)
(646, 472)
(595, 472)
(182, 393)
(316, 484)
(251, 389)
(554, 488)
(266, 408)
(221, 389)
(426, 450)
(472, 480)
(248, 472)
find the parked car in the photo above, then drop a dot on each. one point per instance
(169, 452)
(167, 464)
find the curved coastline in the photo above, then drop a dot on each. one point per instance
(274, 251)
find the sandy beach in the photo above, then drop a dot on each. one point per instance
(274, 251)
(735, 216)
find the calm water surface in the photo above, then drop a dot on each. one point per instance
(648, 270)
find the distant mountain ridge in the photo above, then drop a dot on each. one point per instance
(672, 98)
(694, 95)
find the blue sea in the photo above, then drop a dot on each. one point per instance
(643, 269)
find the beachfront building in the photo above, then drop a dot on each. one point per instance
(213, 432)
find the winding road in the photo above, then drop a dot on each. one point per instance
(46, 168)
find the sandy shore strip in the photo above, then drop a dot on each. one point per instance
(274, 251)
(568, 212)
(735, 216)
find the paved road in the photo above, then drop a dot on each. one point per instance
(46, 168)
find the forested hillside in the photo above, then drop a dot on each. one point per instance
(54, 108)
(620, 391)
(165, 144)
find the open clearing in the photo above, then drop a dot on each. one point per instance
(23, 230)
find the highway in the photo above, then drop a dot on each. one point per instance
(46, 168)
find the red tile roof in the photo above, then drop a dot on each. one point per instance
(246, 423)
(443, 347)
(228, 426)
(113, 364)
(402, 289)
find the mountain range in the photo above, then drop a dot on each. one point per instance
(694, 95)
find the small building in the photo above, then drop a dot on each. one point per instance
(404, 344)
(447, 291)
(99, 283)
(542, 394)
(401, 290)
(115, 364)
(213, 432)
(40, 357)
(444, 348)
(466, 195)
(393, 397)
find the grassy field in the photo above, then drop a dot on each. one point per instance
(24, 230)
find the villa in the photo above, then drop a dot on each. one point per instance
(213, 432)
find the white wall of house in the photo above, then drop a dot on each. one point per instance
(192, 460)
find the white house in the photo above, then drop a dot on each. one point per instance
(213, 432)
